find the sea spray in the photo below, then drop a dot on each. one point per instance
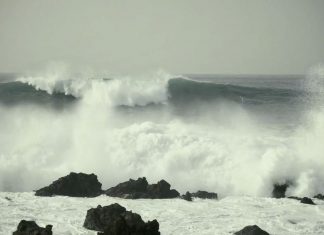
(121, 127)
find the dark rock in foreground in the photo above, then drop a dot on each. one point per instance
(115, 220)
(31, 228)
(251, 230)
(307, 200)
(319, 196)
(73, 185)
(279, 190)
(135, 189)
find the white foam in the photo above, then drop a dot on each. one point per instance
(224, 148)
(120, 90)
(175, 216)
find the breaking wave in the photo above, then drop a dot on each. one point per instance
(128, 91)
(197, 135)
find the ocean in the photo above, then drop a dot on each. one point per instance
(234, 135)
(213, 132)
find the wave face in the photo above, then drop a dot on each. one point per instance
(184, 90)
(174, 90)
(211, 133)
(12, 93)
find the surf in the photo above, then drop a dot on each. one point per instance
(193, 133)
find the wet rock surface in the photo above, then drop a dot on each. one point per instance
(187, 196)
(279, 190)
(135, 189)
(295, 198)
(116, 220)
(199, 194)
(319, 196)
(31, 228)
(73, 185)
(251, 230)
(204, 195)
(307, 200)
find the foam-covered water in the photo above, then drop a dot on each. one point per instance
(175, 216)
(231, 136)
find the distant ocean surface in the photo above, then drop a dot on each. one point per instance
(235, 135)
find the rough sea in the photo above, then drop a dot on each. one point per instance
(234, 135)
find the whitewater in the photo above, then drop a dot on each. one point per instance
(237, 136)
(176, 216)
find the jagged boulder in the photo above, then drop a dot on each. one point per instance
(135, 189)
(31, 228)
(116, 220)
(251, 230)
(319, 196)
(279, 190)
(131, 189)
(307, 200)
(73, 185)
(161, 190)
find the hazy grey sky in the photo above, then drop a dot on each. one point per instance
(180, 36)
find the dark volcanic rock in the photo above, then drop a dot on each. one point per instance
(98, 218)
(319, 196)
(73, 185)
(279, 190)
(294, 197)
(251, 230)
(115, 220)
(31, 228)
(161, 190)
(187, 197)
(129, 189)
(199, 194)
(134, 189)
(204, 195)
(307, 200)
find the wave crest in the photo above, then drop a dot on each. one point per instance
(117, 91)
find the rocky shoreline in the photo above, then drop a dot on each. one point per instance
(114, 219)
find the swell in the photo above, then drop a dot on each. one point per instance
(178, 91)
(184, 90)
(13, 93)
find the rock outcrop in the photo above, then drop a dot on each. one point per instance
(307, 200)
(116, 220)
(187, 197)
(279, 190)
(251, 230)
(319, 196)
(304, 200)
(31, 228)
(199, 194)
(135, 189)
(295, 198)
(204, 195)
(73, 185)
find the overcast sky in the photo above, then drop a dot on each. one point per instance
(180, 36)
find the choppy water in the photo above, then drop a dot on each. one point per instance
(231, 135)
(175, 216)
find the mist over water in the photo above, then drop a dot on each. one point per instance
(233, 137)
